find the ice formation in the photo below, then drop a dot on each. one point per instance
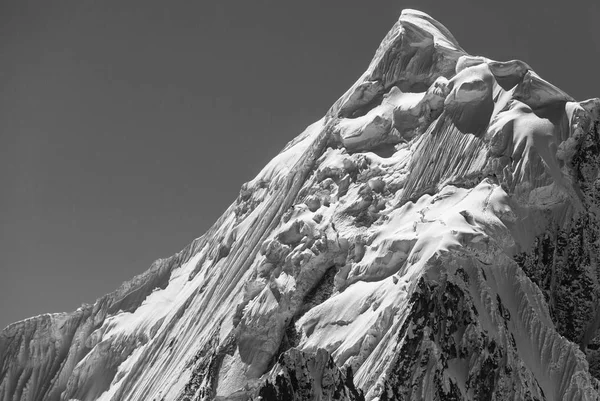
(433, 237)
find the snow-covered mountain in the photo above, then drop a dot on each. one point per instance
(433, 237)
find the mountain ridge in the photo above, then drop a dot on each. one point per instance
(377, 249)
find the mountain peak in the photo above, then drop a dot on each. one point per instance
(416, 51)
(418, 20)
(433, 236)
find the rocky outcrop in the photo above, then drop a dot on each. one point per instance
(563, 259)
(301, 376)
(434, 236)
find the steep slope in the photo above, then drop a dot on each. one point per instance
(434, 236)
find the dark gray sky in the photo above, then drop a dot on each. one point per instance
(128, 126)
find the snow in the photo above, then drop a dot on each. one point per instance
(281, 164)
(156, 306)
(440, 33)
(433, 161)
(343, 323)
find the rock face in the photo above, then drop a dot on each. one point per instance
(433, 237)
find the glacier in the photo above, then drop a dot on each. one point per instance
(433, 237)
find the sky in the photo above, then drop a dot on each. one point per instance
(128, 126)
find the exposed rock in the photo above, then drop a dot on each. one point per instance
(300, 376)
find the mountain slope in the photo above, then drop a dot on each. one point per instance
(427, 239)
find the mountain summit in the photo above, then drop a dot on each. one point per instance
(433, 237)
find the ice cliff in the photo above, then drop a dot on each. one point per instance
(433, 237)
